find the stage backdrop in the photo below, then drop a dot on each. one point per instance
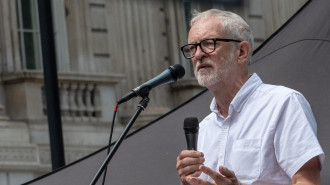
(296, 56)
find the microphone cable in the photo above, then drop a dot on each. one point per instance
(109, 143)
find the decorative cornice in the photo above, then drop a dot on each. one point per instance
(35, 158)
(18, 154)
(37, 76)
(71, 154)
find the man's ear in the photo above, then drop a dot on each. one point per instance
(244, 49)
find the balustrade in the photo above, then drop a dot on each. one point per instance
(78, 101)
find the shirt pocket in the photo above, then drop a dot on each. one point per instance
(245, 158)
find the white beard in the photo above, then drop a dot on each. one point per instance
(206, 78)
(216, 75)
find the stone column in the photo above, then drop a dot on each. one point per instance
(2, 114)
(2, 100)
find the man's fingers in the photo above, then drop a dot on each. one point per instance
(197, 181)
(188, 170)
(229, 175)
(213, 174)
(190, 161)
(226, 177)
(189, 158)
(226, 172)
(196, 174)
(186, 162)
(190, 153)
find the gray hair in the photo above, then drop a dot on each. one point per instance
(233, 25)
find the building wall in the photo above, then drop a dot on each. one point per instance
(105, 48)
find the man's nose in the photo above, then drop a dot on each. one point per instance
(199, 53)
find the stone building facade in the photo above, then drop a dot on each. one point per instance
(104, 48)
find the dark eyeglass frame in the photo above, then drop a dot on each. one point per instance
(200, 45)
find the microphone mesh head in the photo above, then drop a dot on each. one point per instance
(177, 71)
(191, 125)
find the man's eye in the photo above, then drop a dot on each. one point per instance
(208, 44)
(192, 47)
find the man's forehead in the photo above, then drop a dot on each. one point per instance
(204, 28)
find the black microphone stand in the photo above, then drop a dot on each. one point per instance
(142, 105)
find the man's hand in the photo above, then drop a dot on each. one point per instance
(188, 163)
(225, 177)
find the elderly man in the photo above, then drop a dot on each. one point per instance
(256, 133)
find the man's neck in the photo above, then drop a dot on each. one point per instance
(224, 93)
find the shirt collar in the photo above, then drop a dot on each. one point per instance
(242, 96)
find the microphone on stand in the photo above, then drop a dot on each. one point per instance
(191, 127)
(172, 74)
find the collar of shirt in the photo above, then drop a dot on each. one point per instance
(241, 97)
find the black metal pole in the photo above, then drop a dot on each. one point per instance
(51, 84)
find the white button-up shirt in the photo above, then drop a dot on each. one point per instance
(268, 135)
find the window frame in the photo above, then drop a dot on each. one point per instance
(35, 31)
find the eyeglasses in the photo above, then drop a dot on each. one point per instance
(207, 46)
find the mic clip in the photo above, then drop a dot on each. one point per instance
(142, 91)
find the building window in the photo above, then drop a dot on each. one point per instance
(187, 14)
(28, 33)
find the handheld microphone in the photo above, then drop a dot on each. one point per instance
(172, 74)
(191, 127)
